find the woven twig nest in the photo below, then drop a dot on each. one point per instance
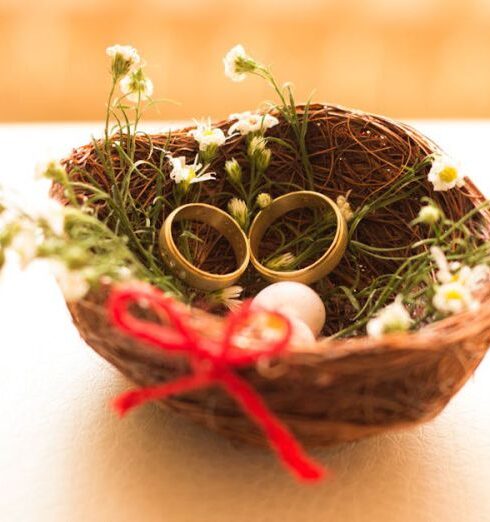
(338, 390)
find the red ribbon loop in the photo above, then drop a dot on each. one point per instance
(221, 356)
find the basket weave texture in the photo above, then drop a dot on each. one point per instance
(339, 390)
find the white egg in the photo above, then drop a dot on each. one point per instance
(301, 336)
(295, 300)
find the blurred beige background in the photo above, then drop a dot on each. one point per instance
(405, 58)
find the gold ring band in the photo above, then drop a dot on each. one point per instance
(225, 225)
(282, 205)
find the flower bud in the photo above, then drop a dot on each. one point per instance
(237, 208)
(263, 160)
(124, 58)
(234, 171)
(281, 262)
(345, 208)
(53, 170)
(259, 153)
(237, 64)
(256, 146)
(264, 200)
(429, 215)
(228, 297)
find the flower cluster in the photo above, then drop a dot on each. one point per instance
(75, 247)
(32, 221)
(457, 284)
(38, 228)
(34, 205)
(454, 292)
(127, 71)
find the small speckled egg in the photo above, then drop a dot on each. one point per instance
(294, 300)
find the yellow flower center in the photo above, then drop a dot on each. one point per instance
(208, 132)
(448, 174)
(453, 295)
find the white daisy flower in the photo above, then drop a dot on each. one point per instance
(454, 294)
(453, 298)
(472, 278)
(456, 273)
(444, 173)
(73, 283)
(392, 318)
(124, 58)
(188, 174)
(479, 274)
(237, 64)
(136, 86)
(206, 136)
(247, 122)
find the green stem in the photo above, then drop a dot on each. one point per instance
(108, 111)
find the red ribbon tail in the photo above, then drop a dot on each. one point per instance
(291, 453)
(130, 399)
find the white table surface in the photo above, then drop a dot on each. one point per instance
(64, 456)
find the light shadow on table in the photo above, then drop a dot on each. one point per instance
(155, 465)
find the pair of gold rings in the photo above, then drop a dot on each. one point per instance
(245, 248)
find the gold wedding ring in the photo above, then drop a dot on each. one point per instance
(225, 225)
(282, 205)
(247, 249)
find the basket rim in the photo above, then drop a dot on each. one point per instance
(434, 337)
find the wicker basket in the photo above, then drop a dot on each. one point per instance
(341, 390)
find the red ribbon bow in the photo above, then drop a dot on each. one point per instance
(212, 363)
